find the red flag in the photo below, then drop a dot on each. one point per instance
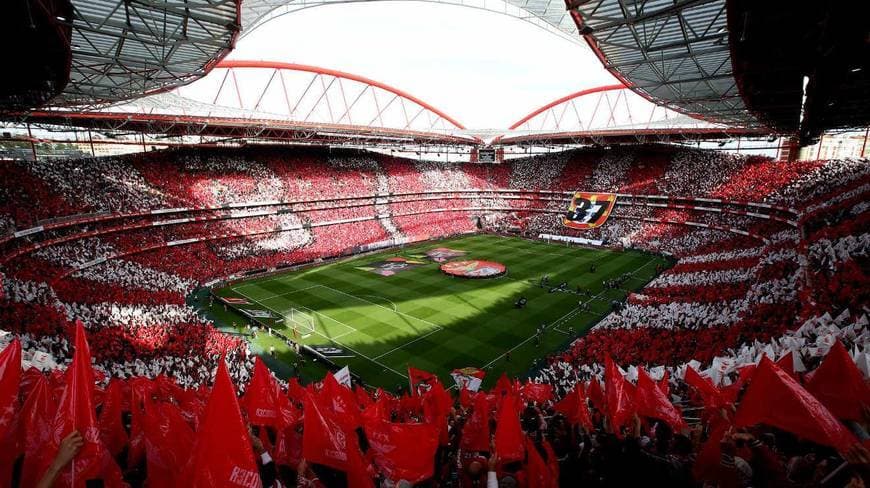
(664, 384)
(839, 384)
(222, 454)
(261, 398)
(537, 392)
(76, 413)
(436, 408)
(10, 379)
(341, 401)
(36, 431)
(168, 441)
(732, 391)
(508, 432)
(324, 439)
(403, 451)
(710, 395)
(420, 380)
(537, 470)
(465, 399)
(618, 394)
(503, 386)
(709, 457)
(775, 398)
(574, 408)
(475, 433)
(596, 395)
(111, 427)
(651, 402)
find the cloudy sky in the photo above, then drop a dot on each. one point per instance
(482, 68)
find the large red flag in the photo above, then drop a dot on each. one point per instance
(76, 413)
(111, 427)
(36, 431)
(537, 392)
(709, 458)
(222, 454)
(420, 381)
(475, 433)
(596, 395)
(10, 379)
(537, 470)
(775, 398)
(168, 441)
(261, 398)
(324, 439)
(839, 384)
(403, 451)
(710, 395)
(503, 386)
(508, 432)
(341, 401)
(618, 394)
(651, 402)
(575, 409)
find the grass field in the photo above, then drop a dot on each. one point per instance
(423, 318)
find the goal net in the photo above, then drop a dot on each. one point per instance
(301, 322)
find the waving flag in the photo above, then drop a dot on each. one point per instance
(508, 432)
(222, 455)
(76, 413)
(36, 430)
(475, 432)
(839, 385)
(574, 408)
(776, 399)
(10, 379)
(111, 428)
(618, 395)
(650, 401)
(261, 398)
(420, 381)
(403, 451)
(468, 378)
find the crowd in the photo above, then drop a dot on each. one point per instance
(593, 426)
(727, 301)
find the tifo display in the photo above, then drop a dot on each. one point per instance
(730, 290)
(474, 268)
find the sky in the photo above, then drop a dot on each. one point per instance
(482, 68)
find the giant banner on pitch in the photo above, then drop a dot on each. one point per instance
(588, 210)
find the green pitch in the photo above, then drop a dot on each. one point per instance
(421, 317)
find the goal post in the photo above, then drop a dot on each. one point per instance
(302, 323)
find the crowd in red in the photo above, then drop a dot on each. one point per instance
(73, 428)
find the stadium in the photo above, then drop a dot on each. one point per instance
(253, 243)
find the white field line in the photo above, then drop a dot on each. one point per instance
(335, 341)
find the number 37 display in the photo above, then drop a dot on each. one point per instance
(588, 210)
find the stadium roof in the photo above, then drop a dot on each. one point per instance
(122, 49)
(674, 52)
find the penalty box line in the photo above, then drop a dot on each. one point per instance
(437, 327)
(333, 339)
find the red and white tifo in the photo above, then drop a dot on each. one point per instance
(474, 268)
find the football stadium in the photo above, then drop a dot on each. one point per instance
(438, 243)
